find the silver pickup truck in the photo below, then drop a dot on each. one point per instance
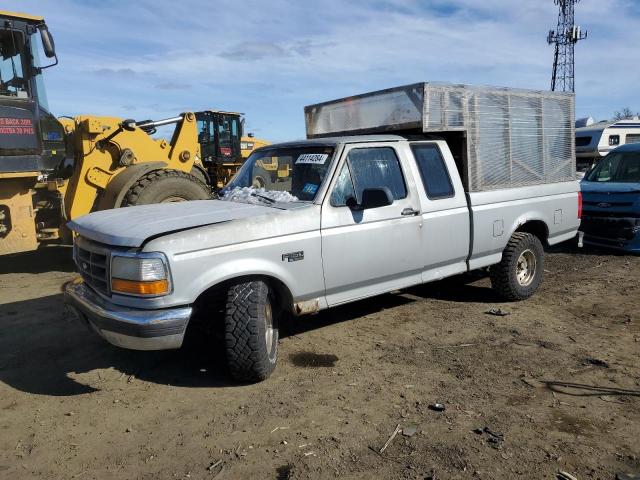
(475, 178)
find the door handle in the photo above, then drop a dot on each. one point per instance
(410, 211)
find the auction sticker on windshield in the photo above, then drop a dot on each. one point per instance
(313, 158)
(310, 188)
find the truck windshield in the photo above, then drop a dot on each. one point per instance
(617, 167)
(286, 174)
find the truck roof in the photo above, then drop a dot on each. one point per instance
(21, 16)
(333, 141)
(628, 147)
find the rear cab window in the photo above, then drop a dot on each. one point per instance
(433, 171)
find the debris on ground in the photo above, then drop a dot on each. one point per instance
(493, 434)
(495, 442)
(498, 312)
(628, 476)
(437, 407)
(278, 428)
(393, 435)
(565, 476)
(409, 430)
(494, 439)
(596, 362)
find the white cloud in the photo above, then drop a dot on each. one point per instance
(269, 59)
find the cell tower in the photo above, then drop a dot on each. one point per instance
(565, 38)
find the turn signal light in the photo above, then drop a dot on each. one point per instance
(156, 287)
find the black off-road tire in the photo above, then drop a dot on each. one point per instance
(251, 353)
(162, 186)
(504, 275)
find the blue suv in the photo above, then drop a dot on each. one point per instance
(611, 200)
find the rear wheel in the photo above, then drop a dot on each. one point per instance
(162, 186)
(251, 331)
(519, 273)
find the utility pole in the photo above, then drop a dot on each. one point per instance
(565, 37)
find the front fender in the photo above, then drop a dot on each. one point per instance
(244, 268)
(197, 271)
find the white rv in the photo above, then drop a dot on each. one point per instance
(595, 140)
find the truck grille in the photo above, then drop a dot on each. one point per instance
(583, 141)
(610, 227)
(93, 264)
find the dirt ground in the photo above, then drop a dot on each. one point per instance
(72, 406)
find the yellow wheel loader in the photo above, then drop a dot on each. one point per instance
(53, 170)
(223, 148)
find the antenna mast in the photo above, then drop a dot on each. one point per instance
(565, 37)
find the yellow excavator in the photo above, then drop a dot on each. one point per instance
(53, 170)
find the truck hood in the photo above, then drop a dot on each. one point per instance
(609, 187)
(132, 226)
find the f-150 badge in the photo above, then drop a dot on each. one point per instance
(293, 256)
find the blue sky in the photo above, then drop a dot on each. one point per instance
(152, 59)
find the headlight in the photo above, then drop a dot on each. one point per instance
(140, 275)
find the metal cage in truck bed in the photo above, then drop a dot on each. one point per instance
(512, 137)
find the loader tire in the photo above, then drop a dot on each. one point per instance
(519, 273)
(251, 331)
(161, 186)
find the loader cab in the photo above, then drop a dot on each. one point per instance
(219, 136)
(31, 138)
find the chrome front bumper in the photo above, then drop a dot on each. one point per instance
(127, 327)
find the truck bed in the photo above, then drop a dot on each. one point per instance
(506, 137)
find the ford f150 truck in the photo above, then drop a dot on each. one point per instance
(468, 178)
(611, 195)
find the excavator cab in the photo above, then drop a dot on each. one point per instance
(219, 136)
(31, 138)
(223, 148)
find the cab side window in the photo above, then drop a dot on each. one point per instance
(12, 80)
(433, 171)
(374, 167)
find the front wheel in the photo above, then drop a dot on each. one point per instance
(163, 186)
(519, 273)
(251, 331)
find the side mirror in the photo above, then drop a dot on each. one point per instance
(48, 45)
(371, 198)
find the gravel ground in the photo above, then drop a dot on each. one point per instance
(72, 406)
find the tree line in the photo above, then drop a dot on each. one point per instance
(625, 114)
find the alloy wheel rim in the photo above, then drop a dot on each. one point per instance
(526, 268)
(268, 330)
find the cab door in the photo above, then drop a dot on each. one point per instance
(228, 137)
(372, 251)
(445, 212)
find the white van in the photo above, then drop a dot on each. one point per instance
(595, 140)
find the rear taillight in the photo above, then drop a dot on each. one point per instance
(579, 205)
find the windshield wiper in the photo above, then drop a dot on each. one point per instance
(264, 197)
